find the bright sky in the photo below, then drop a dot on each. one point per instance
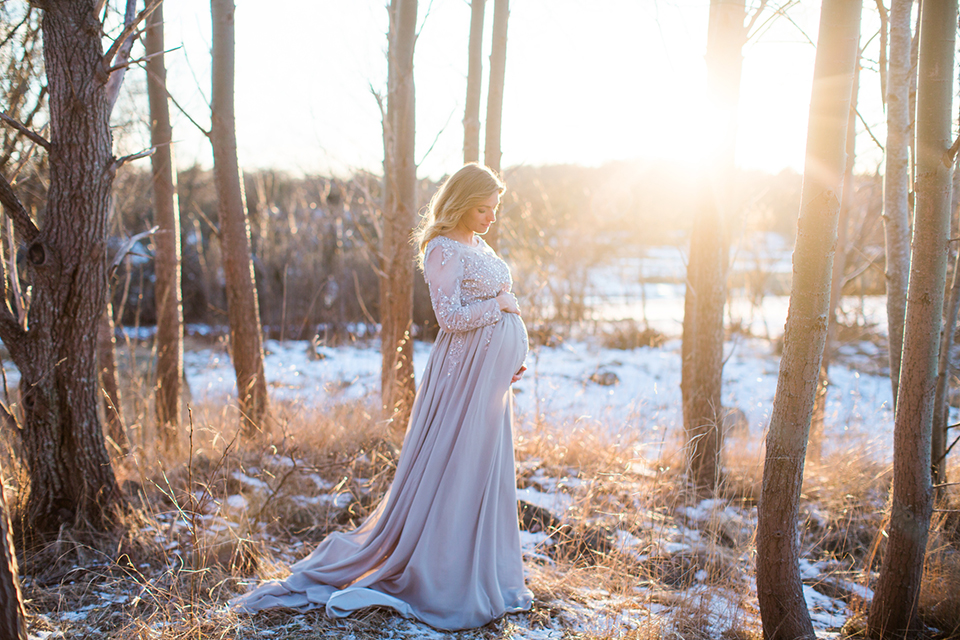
(585, 83)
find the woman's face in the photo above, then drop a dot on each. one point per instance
(479, 218)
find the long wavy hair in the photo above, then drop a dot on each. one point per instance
(469, 187)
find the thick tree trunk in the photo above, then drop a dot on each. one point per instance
(246, 340)
(894, 606)
(112, 407)
(896, 182)
(498, 68)
(399, 217)
(815, 445)
(782, 607)
(167, 240)
(702, 350)
(12, 614)
(71, 479)
(471, 116)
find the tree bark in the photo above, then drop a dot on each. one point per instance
(498, 67)
(815, 445)
(246, 340)
(702, 348)
(12, 614)
(71, 478)
(896, 182)
(894, 607)
(471, 116)
(399, 217)
(167, 217)
(783, 610)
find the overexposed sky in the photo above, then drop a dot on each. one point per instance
(586, 83)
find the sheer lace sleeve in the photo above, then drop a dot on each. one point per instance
(444, 270)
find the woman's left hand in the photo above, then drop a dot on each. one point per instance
(518, 375)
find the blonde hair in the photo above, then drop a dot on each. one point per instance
(469, 187)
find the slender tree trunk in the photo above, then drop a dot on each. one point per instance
(396, 282)
(13, 624)
(471, 116)
(941, 412)
(246, 340)
(815, 445)
(896, 182)
(782, 607)
(107, 360)
(894, 606)
(702, 349)
(167, 208)
(498, 67)
(71, 478)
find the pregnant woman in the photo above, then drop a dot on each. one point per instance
(443, 546)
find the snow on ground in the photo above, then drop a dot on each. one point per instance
(566, 384)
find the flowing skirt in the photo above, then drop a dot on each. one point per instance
(443, 545)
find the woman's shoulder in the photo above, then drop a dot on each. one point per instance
(448, 247)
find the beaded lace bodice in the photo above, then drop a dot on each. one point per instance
(463, 283)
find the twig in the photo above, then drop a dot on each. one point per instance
(869, 131)
(32, 135)
(753, 18)
(147, 58)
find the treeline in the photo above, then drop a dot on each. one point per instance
(315, 239)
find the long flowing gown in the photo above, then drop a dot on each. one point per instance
(443, 545)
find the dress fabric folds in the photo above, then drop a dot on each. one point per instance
(443, 545)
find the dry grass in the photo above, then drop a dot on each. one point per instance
(636, 555)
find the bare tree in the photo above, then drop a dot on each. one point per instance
(894, 607)
(782, 607)
(702, 349)
(167, 259)
(815, 444)
(399, 213)
(71, 478)
(498, 67)
(896, 181)
(246, 340)
(471, 116)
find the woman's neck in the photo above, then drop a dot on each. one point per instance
(462, 235)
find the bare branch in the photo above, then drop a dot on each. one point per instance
(755, 16)
(11, 333)
(184, 111)
(869, 132)
(108, 57)
(14, 208)
(130, 63)
(126, 247)
(29, 133)
(119, 162)
(950, 156)
(119, 68)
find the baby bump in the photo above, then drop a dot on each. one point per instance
(511, 333)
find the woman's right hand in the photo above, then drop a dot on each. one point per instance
(508, 303)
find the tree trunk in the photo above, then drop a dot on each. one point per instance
(246, 341)
(894, 606)
(471, 116)
(167, 241)
(12, 614)
(399, 218)
(71, 479)
(896, 182)
(498, 67)
(783, 610)
(815, 445)
(107, 360)
(702, 349)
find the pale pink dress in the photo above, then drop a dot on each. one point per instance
(443, 546)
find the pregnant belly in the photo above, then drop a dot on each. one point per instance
(514, 335)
